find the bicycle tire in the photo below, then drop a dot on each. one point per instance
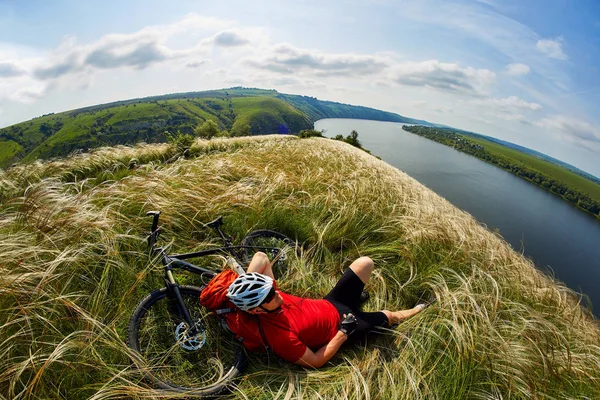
(268, 241)
(160, 356)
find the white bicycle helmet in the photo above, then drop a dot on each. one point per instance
(249, 290)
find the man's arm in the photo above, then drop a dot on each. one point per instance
(320, 357)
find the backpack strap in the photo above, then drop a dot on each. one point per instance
(262, 334)
(266, 343)
(220, 313)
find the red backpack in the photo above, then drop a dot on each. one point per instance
(244, 326)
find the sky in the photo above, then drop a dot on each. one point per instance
(522, 71)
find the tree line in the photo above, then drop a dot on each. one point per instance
(351, 139)
(450, 138)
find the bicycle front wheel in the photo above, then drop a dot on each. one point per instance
(201, 361)
(280, 248)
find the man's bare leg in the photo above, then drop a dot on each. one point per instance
(260, 263)
(395, 317)
(363, 267)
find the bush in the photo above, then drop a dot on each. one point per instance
(307, 133)
(181, 141)
(207, 130)
(240, 130)
(352, 139)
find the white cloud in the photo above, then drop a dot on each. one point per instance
(552, 48)
(28, 94)
(517, 69)
(493, 28)
(509, 104)
(379, 68)
(574, 130)
(26, 75)
(444, 110)
(510, 109)
(216, 72)
(445, 77)
(138, 55)
(515, 117)
(503, 109)
(197, 63)
(138, 50)
(230, 39)
(9, 69)
(287, 59)
(21, 89)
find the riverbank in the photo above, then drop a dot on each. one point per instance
(519, 167)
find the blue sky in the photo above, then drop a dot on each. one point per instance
(523, 71)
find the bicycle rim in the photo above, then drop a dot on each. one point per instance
(174, 358)
(279, 248)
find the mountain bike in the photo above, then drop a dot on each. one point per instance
(178, 344)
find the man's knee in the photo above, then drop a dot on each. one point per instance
(260, 258)
(259, 255)
(258, 263)
(363, 267)
(363, 264)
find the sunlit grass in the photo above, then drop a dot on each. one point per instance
(74, 266)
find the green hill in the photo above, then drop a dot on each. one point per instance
(238, 110)
(317, 109)
(74, 266)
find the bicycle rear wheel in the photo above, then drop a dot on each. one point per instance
(175, 358)
(277, 246)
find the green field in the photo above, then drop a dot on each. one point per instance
(545, 167)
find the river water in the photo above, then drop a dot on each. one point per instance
(558, 237)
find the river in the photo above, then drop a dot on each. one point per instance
(558, 237)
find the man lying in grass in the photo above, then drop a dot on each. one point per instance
(309, 332)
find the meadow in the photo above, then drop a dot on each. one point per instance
(75, 265)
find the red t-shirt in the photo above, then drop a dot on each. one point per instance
(301, 323)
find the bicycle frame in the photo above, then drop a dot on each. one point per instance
(176, 261)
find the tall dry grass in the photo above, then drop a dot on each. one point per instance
(74, 265)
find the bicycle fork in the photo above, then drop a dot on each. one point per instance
(181, 309)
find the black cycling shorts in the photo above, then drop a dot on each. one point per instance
(345, 296)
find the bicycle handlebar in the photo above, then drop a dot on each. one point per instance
(155, 214)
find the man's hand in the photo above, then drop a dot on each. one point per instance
(348, 324)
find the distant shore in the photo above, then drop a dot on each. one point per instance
(493, 154)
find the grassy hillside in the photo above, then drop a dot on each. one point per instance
(119, 124)
(264, 114)
(75, 265)
(241, 110)
(9, 150)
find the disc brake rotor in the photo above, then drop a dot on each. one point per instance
(189, 342)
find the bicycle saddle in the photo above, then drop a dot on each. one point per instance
(216, 223)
